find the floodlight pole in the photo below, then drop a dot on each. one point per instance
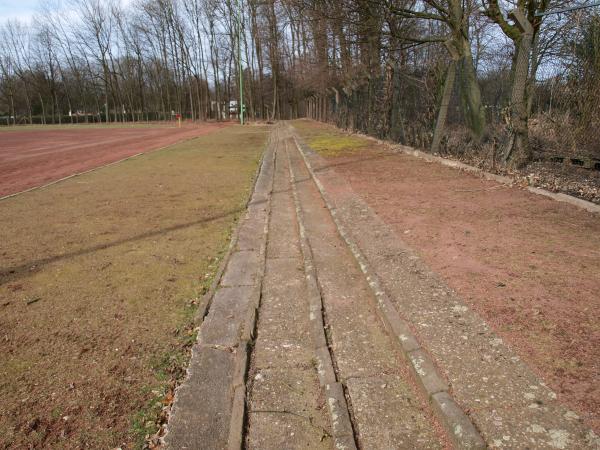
(241, 73)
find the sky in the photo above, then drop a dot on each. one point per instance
(24, 10)
(17, 9)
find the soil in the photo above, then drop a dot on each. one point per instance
(35, 156)
(100, 277)
(529, 265)
(571, 180)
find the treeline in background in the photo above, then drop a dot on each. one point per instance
(495, 78)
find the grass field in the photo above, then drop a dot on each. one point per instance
(328, 141)
(100, 277)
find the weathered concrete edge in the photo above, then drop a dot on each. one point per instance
(209, 295)
(459, 426)
(341, 425)
(237, 422)
(558, 196)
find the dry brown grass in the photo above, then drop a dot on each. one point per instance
(99, 277)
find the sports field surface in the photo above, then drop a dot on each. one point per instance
(31, 156)
(370, 299)
(101, 276)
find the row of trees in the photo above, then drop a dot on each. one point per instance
(101, 61)
(477, 63)
(394, 68)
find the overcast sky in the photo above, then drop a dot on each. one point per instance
(17, 9)
(24, 10)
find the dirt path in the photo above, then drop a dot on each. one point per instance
(509, 404)
(35, 157)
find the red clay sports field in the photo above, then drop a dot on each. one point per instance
(31, 157)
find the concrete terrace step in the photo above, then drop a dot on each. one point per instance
(208, 410)
(286, 406)
(387, 411)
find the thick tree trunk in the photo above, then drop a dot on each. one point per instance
(535, 62)
(274, 58)
(259, 58)
(517, 151)
(460, 48)
(443, 112)
(470, 91)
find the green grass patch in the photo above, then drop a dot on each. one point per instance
(332, 145)
(327, 140)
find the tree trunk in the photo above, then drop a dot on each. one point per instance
(12, 108)
(470, 91)
(43, 109)
(443, 112)
(517, 152)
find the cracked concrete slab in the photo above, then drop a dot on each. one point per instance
(287, 410)
(286, 406)
(200, 417)
(284, 247)
(250, 235)
(242, 269)
(387, 397)
(222, 325)
(283, 338)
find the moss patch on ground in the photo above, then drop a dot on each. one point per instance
(100, 279)
(328, 140)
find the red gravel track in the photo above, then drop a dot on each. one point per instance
(34, 157)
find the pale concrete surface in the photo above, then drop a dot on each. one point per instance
(362, 350)
(286, 407)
